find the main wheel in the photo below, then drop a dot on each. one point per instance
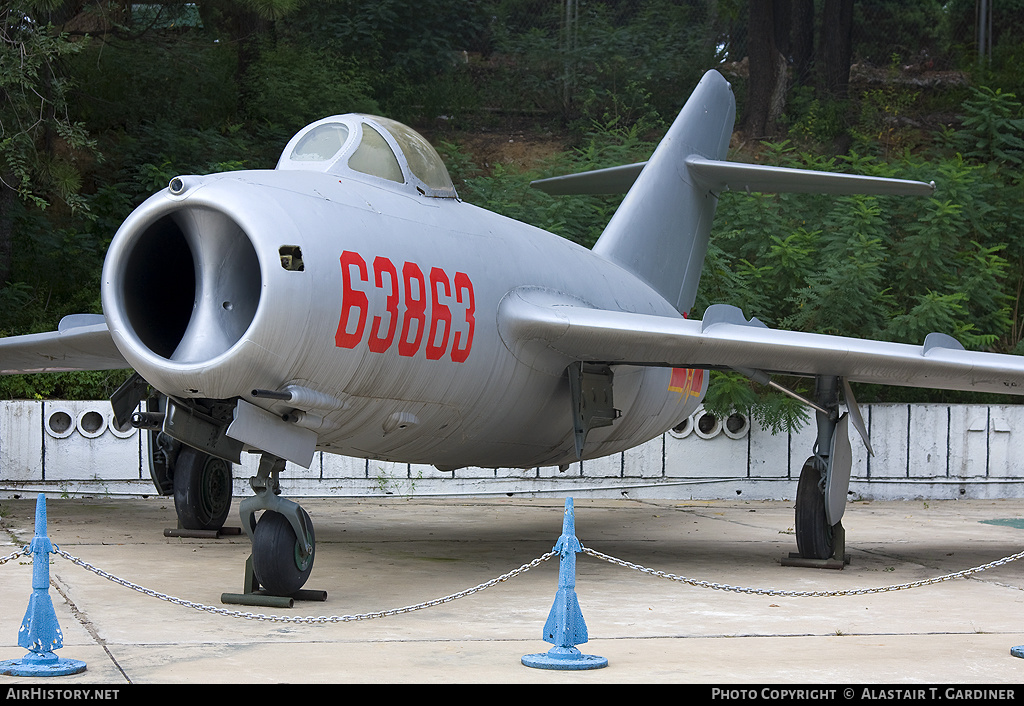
(202, 489)
(814, 538)
(277, 559)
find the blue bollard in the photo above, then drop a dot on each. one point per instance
(565, 627)
(40, 633)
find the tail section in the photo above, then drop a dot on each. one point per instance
(660, 232)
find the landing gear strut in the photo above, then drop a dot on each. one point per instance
(283, 542)
(821, 490)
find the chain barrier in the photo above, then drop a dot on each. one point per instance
(308, 619)
(803, 594)
(516, 572)
(9, 557)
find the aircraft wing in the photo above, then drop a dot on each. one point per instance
(81, 342)
(724, 339)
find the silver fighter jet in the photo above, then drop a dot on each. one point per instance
(348, 301)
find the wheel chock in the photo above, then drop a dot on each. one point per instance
(40, 633)
(837, 561)
(565, 627)
(255, 596)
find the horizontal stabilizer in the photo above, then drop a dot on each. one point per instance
(613, 180)
(73, 347)
(719, 175)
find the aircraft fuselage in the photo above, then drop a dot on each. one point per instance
(388, 305)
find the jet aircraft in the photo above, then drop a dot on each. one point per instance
(348, 301)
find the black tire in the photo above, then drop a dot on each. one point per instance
(202, 490)
(276, 560)
(814, 539)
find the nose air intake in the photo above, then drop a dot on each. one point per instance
(191, 284)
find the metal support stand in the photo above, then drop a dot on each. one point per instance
(565, 627)
(203, 534)
(40, 633)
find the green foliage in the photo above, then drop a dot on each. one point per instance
(631, 61)
(878, 129)
(919, 29)
(34, 115)
(184, 80)
(772, 410)
(992, 127)
(816, 120)
(581, 219)
(420, 39)
(295, 85)
(87, 385)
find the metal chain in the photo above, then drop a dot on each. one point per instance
(803, 594)
(512, 574)
(15, 555)
(308, 619)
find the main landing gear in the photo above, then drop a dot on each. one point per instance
(823, 485)
(200, 483)
(202, 490)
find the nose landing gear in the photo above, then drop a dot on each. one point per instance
(283, 542)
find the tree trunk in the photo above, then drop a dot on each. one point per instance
(803, 40)
(836, 47)
(766, 88)
(7, 199)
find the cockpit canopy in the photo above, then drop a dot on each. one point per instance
(353, 144)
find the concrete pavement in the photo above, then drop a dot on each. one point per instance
(374, 555)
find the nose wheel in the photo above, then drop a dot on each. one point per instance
(280, 561)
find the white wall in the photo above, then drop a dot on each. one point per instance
(921, 451)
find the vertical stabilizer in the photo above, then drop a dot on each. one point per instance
(660, 232)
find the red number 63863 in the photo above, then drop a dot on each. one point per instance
(409, 295)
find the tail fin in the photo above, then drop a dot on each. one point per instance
(660, 231)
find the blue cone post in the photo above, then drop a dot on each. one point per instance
(565, 627)
(40, 633)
